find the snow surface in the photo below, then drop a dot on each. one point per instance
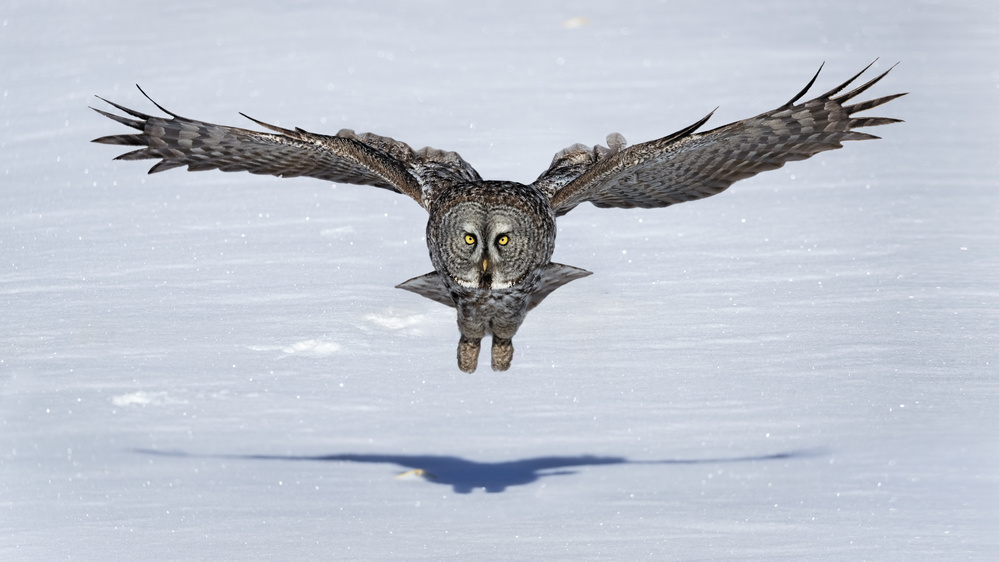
(217, 366)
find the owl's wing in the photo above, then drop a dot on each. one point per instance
(686, 166)
(364, 159)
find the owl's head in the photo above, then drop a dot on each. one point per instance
(491, 235)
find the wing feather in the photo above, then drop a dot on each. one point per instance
(363, 159)
(686, 166)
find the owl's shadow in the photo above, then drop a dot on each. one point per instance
(466, 475)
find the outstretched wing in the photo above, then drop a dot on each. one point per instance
(686, 166)
(365, 159)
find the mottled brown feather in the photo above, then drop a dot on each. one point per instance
(364, 159)
(686, 166)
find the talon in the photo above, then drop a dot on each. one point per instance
(502, 353)
(468, 354)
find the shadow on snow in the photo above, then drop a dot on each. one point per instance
(466, 475)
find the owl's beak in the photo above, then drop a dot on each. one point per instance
(486, 279)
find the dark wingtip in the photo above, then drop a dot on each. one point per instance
(863, 87)
(120, 107)
(807, 86)
(128, 140)
(138, 125)
(694, 126)
(160, 107)
(849, 81)
(869, 104)
(268, 126)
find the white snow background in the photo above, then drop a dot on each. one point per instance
(217, 366)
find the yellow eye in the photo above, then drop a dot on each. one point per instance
(469, 239)
(502, 240)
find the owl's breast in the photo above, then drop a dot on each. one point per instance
(486, 311)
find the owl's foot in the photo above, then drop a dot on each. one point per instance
(468, 354)
(502, 353)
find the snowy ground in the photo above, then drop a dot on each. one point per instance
(216, 366)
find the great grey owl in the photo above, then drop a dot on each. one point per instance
(491, 242)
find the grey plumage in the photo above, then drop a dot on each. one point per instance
(491, 242)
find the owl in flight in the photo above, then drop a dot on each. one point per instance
(491, 242)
